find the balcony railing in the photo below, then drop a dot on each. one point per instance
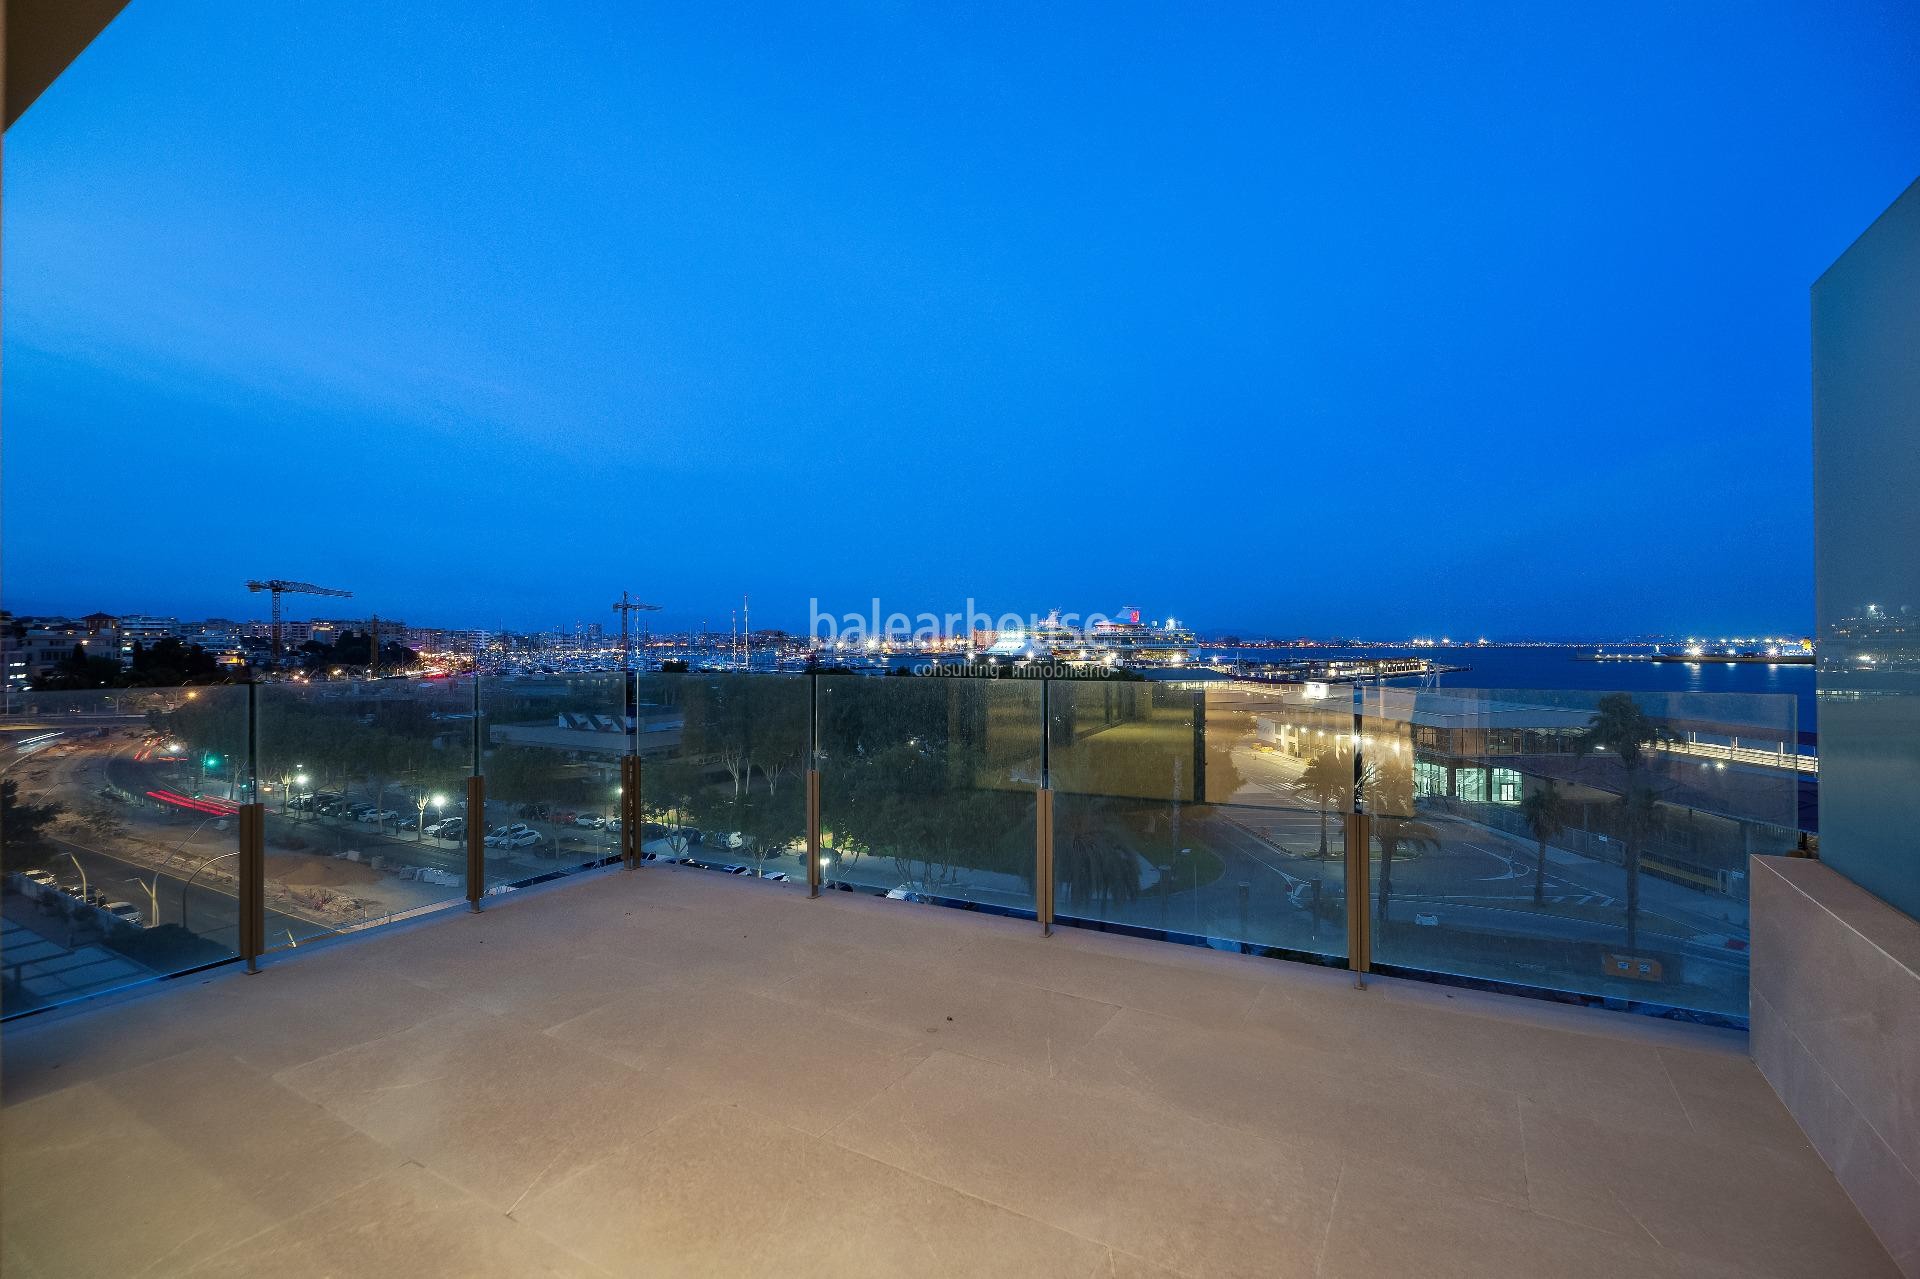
(1575, 843)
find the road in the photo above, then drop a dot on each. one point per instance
(205, 911)
(87, 774)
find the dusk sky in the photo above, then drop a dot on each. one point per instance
(1368, 320)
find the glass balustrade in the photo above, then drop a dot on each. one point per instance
(1588, 844)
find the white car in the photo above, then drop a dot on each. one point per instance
(125, 912)
(524, 839)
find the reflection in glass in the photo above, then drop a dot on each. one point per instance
(928, 787)
(551, 761)
(1588, 842)
(350, 771)
(1209, 810)
(117, 838)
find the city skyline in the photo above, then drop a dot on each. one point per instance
(667, 623)
(1085, 313)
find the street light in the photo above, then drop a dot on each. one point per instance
(83, 875)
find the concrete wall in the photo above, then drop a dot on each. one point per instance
(1836, 1031)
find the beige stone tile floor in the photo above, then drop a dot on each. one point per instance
(669, 1072)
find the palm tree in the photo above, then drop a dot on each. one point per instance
(1093, 859)
(1547, 812)
(1621, 728)
(1328, 779)
(1388, 789)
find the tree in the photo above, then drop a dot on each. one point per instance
(1547, 812)
(1328, 780)
(1387, 787)
(22, 827)
(669, 786)
(1097, 865)
(1621, 729)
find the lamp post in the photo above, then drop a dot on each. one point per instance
(84, 895)
(188, 886)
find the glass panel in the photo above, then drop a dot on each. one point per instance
(723, 765)
(1580, 841)
(119, 840)
(350, 771)
(927, 787)
(552, 767)
(1211, 810)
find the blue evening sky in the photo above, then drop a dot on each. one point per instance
(1354, 319)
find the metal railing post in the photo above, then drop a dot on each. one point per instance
(1043, 819)
(251, 926)
(1359, 835)
(632, 831)
(476, 841)
(1358, 827)
(1043, 859)
(253, 884)
(813, 784)
(813, 832)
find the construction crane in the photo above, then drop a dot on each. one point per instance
(627, 606)
(279, 587)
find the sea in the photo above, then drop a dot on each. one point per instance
(1539, 667)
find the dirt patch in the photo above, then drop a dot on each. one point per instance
(309, 870)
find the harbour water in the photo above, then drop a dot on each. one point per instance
(1534, 667)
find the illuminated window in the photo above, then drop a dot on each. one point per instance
(1429, 779)
(1472, 783)
(1506, 786)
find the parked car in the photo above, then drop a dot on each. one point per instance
(43, 878)
(125, 912)
(591, 821)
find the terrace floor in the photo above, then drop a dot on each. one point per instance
(679, 1073)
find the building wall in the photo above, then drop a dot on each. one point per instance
(1866, 443)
